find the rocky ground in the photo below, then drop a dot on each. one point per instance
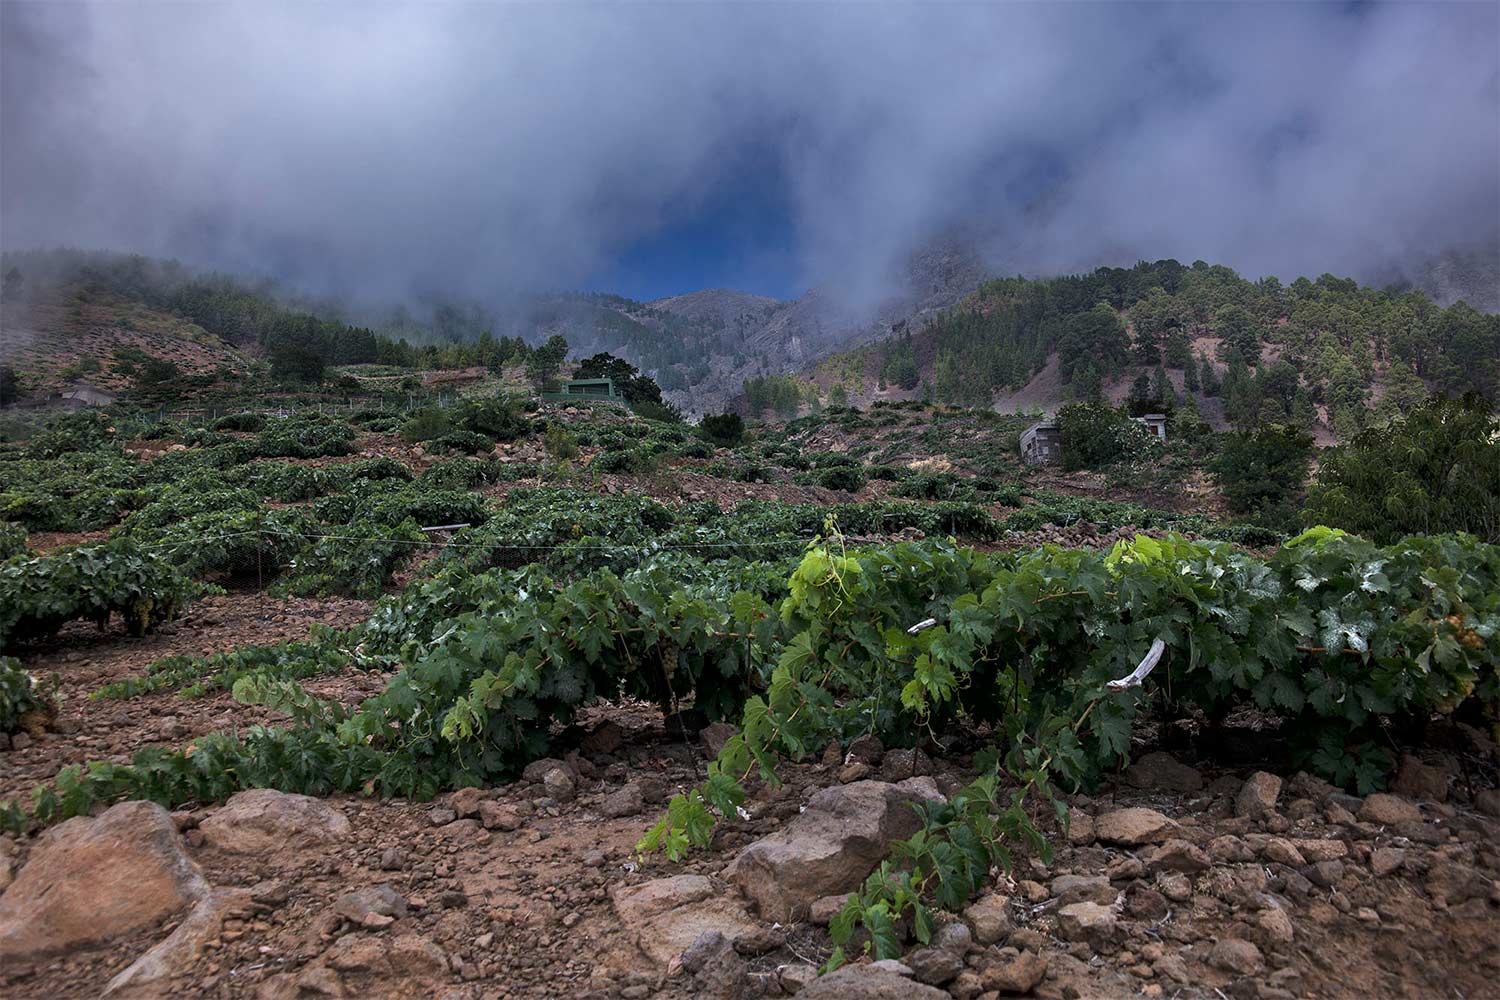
(1176, 881)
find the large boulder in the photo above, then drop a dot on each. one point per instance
(91, 880)
(179, 951)
(842, 834)
(668, 914)
(263, 821)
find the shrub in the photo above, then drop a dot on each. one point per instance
(12, 540)
(467, 442)
(560, 442)
(496, 418)
(619, 461)
(653, 409)
(249, 422)
(724, 429)
(72, 432)
(22, 705)
(1094, 435)
(93, 582)
(842, 477)
(1264, 472)
(305, 436)
(1437, 469)
(426, 425)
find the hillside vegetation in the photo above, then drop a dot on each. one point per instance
(1324, 352)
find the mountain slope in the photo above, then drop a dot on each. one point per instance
(73, 334)
(1329, 353)
(721, 308)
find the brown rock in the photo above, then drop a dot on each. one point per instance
(607, 737)
(1133, 827)
(1178, 856)
(465, 801)
(1385, 810)
(1234, 955)
(825, 908)
(623, 801)
(865, 982)
(839, 838)
(500, 816)
(990, 918)
(855, 770)
(1083, 889)
(715, 735)
(1088, 922)
(1316, 850)
(1417, 780)
(1384, 860)
(179, 951)
(1275, 926)
(94, 879)
(1228, 849)
(1020, 974)
(667, 915)
(1163, 771)
(263, 821)
(1257, 796)
(1282, 852)
(935, 966)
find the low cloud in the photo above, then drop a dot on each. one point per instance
(384, 152)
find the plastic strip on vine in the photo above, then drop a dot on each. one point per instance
(1142, 670)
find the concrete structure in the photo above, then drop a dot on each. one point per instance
(89, 395)
(1156, 423)
(1041, 443)
(587, 390)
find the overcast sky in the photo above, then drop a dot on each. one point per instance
(482, 149)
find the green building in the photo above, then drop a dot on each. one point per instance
(587, 390)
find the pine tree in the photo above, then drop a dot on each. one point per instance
(1304, 413)
(1161, 389)
(1208, 379)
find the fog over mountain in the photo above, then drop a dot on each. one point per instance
(484, 151)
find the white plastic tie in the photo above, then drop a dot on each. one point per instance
(1142, 669)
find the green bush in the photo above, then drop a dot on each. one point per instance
(496, 418)
(724, 429)
(1436, 469)
(1094, 435)
(12, 540)
(86, 431)
(467, 442)
(426, 425)
(1264, 472)
(248, 422)
(620, 461)
(560, 442)
(38, 595)
(304, 436)
(842, 477)
(19, 696)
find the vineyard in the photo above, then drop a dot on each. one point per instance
(622, 639)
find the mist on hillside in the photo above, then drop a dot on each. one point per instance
(481, 152)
